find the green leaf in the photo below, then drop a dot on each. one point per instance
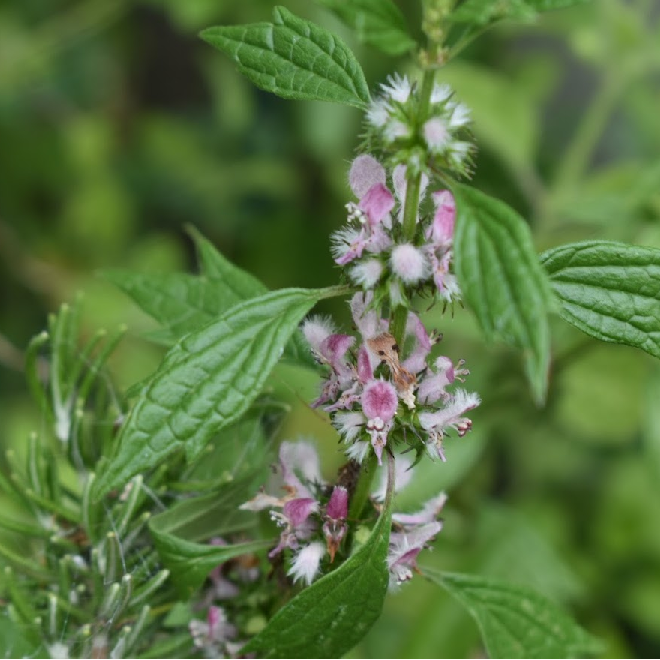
(331, 616)
(179, 301)
(176, 531)
(516, 622)
(213, 514)
(378, 23)
(183, 303)
(609, 290)
(482, 12)
(502, 279)
(239, 451)
(20, 641)
(236, 284)
(294, 59)
(206, 382)
(190, 563)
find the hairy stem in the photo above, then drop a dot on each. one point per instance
(400, 314)
(411, 205)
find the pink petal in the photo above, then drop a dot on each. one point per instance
(365, 173)
(377, 203)
(427, 514)
(334, 348)
(416, 361)
(337, 508)
(364, 367)
(441, 232)
(379, 399)
(298, 510)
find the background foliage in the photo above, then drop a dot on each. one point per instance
(119, 126)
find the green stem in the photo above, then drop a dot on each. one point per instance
(363, 489)
(411, 206)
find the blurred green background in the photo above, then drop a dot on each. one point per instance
(118, 127)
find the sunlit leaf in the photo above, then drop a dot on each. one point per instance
(293, 58)
(609, 290)
(502, 280)
(516, 622)
(206, 382)
(378, 23)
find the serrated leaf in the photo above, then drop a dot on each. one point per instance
(482, 12)
(183, 303)
(294, 59)
(378, 23)
(516, 622)
(332, 615)
(236, 283)
(609, 290)
(206, 382)
(179, 301)
(502, 279)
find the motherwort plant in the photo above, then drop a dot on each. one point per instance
(163, 522)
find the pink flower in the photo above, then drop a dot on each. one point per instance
(334, 527)
(349, 424)
(299, 464)
(409, 264)
(441, 231)
(368, 320)
(404, 548)
(436, 134)
(428, 513)
(440, 235)
(372, 212)
(367, 273)
(365, 173)
(214, 634)
(451, 416)
(298, 510)
(433, 387)
(300, 458)
(331, 349)
(379, 404)
(416, 361)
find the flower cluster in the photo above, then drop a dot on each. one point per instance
(312, 522)
(313, 516)
(382, 391)
(371, 242)
(369, 391)
(443, 136)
